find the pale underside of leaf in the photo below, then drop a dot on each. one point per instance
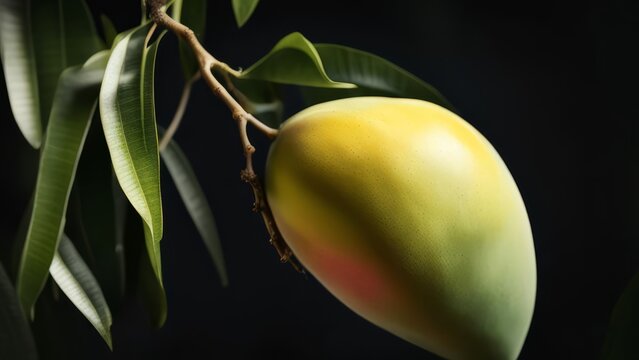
(75, 279)
(18, 63)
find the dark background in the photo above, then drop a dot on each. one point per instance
(551, 84)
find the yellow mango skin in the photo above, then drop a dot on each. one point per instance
(408, 215)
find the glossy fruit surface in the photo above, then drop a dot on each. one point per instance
(408, 215)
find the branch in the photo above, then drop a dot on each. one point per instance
(207, 64)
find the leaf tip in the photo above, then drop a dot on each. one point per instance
(108, 339)
(240, 22)
(343, 85)
(33, 136)
(159, 322)
(243, 10)
(35, 143)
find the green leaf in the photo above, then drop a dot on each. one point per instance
(109, 30)
(72, 110)
(293, 60)
(127, 110)
(260, 98)
(18, 64)
(196, 204)
(16, 341)
(373, 75)
(63, 35)
(623, 332)
(191, 13)
(76, 280)
(243, 9)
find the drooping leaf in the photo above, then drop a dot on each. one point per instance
(127, 111)
(191, 13)
(18, 64)
(260, 98)
(109, 30)
(196, 204)
(75, 279)
(623, 331)
(243, 9)
(294, 60)
(63, 35)
(16, 341)
(373, 75)
(73, 107)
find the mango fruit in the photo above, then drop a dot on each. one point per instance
(409, 216)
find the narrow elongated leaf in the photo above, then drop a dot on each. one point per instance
(63, 35)
(16, 341)
(75, 279)
(373, 75)
(72, 110)
(623, 332)
(196, 204)
(127, 110)
(294, 60)
(243, 9)
(18, 64)
(191, 13)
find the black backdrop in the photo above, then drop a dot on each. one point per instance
(550, 84)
